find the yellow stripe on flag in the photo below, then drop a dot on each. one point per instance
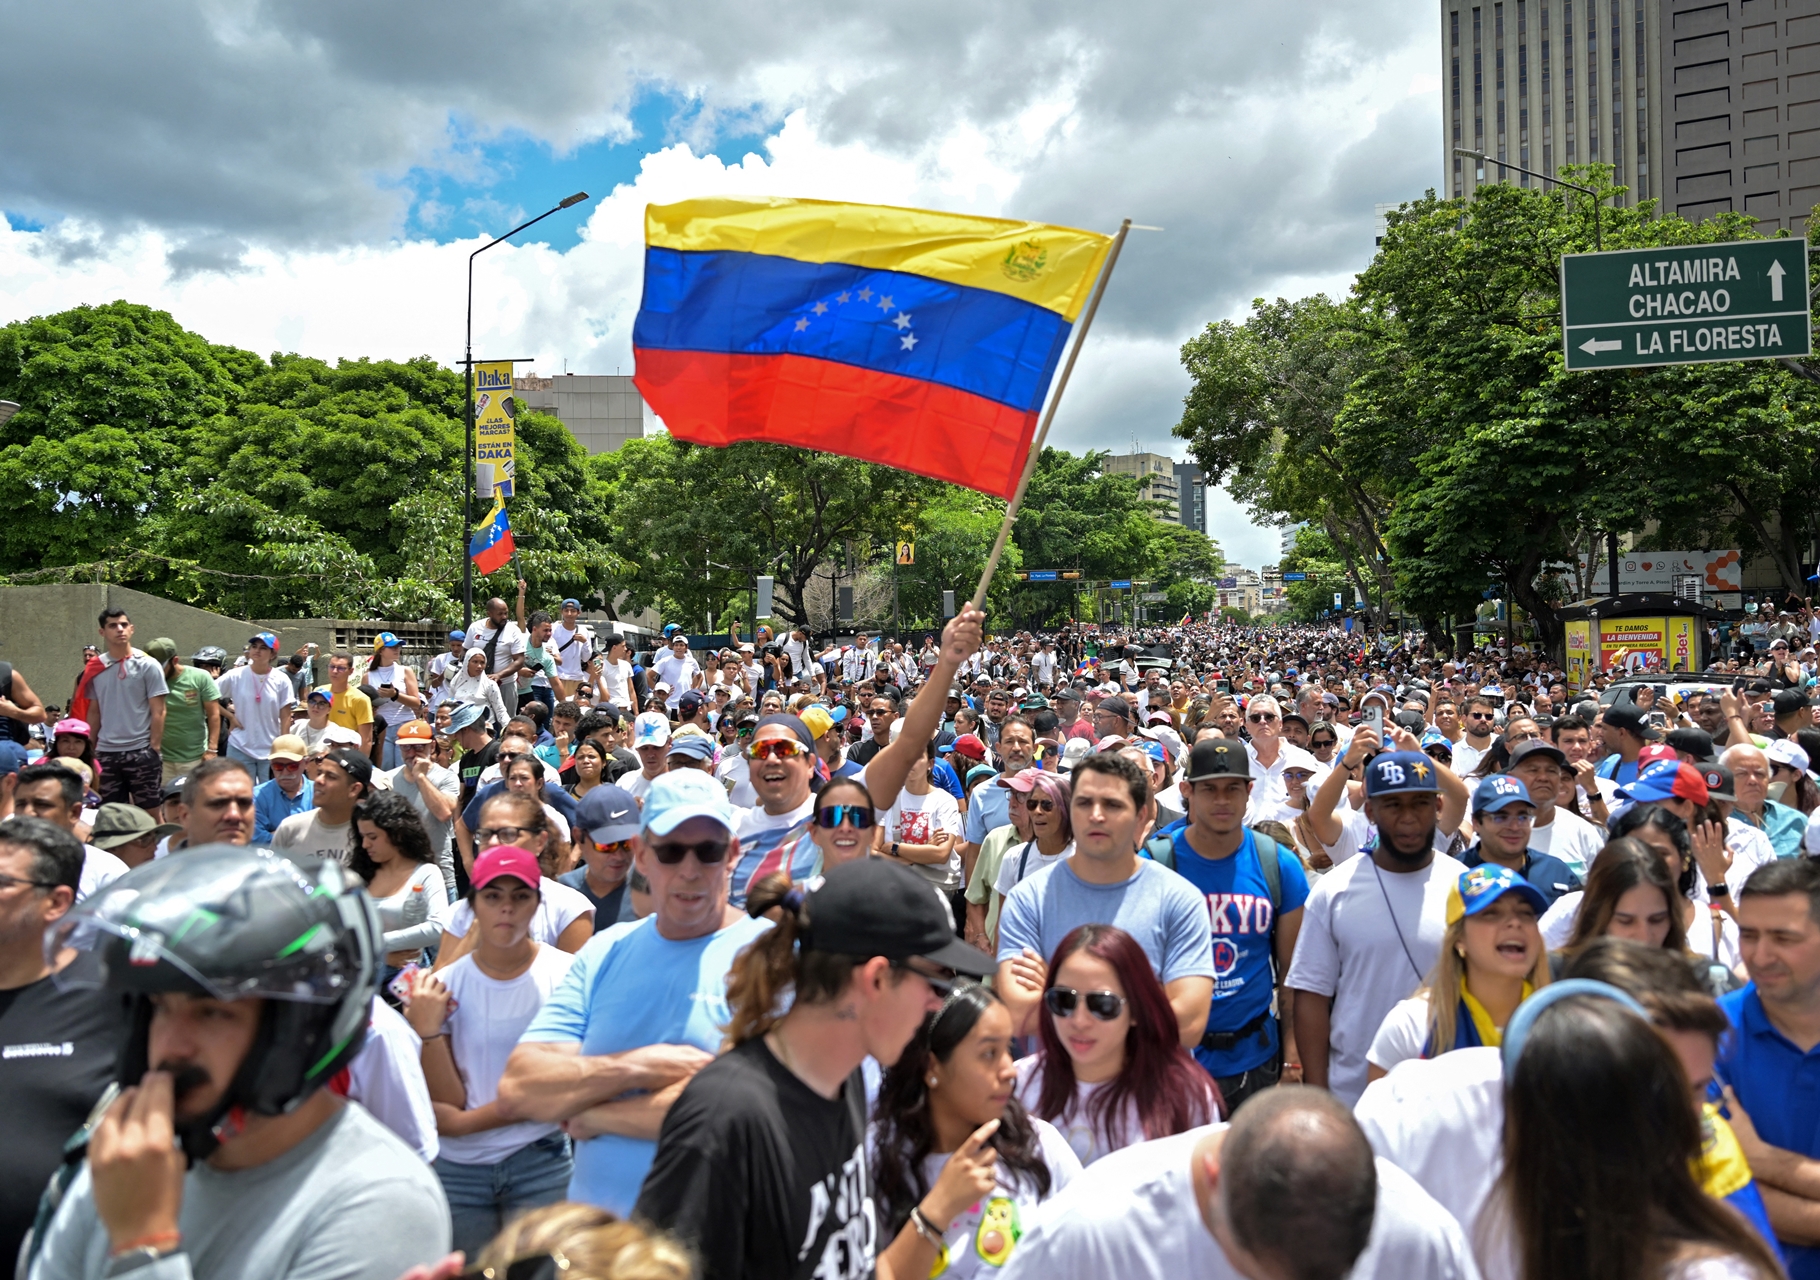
(1052, 267)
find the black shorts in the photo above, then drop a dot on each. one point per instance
(131, 777)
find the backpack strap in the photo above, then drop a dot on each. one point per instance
(1161, 850)
(1273, 875)
(1023, 860)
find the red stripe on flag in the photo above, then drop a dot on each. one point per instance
(494, 557)
(713, 398)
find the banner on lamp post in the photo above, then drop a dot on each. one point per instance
(495, 434)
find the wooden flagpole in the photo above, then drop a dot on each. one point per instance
(1036, 445)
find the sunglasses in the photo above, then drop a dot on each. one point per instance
(857, 816)
(1039, 806)
(776, 749)
(1063, 1001)
(707, 852)
(539, 1266)
(286, 766)
(612, 846)
(941, 981)
(1262, 717)
(1321, 744)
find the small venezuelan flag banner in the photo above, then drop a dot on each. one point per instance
(920, 340)
(490, 545)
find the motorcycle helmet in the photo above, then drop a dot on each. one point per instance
(229, 922)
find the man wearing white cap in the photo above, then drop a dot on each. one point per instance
(651, 740)
(261, 698)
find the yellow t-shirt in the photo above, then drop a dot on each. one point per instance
(350, 709)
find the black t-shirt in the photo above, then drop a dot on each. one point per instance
(471, 765)
(863, 753)
(762, 1176)
(57, 1055)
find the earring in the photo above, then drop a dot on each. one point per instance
(932, 1082)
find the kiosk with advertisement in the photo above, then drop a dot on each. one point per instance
(1632, 632)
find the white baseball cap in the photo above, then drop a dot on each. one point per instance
(651, 729)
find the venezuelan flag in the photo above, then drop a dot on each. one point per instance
(490, 545)
(919, 340)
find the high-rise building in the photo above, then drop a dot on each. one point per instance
(602, 412)
(1708, 107)
(1288, 543)
(1156, 479)
(1191, 496)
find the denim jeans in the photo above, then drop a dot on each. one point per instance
(484, 1197)
(261, 769)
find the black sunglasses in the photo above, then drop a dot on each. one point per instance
(1063, 1001)
(706, 852)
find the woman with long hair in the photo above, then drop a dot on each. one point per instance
(954, 1078)
(593, 1243)
(396, 700)
(842, 825)
(851, 969)
(1111, 1070)
(1600, 1151)
(1630, 893)
(1047, 801)
(392, 855)
(590, 761)
(1491, 959)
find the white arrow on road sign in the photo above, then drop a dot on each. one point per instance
(1592, 346)
(1775, 281)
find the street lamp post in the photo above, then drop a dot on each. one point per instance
(1483, 159)
(467, 463)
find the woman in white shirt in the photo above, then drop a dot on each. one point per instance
(922, 830)
(470, 1016)
(392, 855)
(958, 1166)
(1111, 1070)
(565, 916)
(1491, 959)
(472, 684)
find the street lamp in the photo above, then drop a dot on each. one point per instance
(1480, 156)
(467, 464)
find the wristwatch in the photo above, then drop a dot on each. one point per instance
(894, 848)
(1720, 890)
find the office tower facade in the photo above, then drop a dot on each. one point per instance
(601, 411)
(1191, 496)
(1156, 479)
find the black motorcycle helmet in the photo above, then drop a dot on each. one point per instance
(228, 922)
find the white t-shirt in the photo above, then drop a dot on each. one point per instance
(99, 868)
(307, 834)
(1365, 956)
(1441, 1121)
(258, 704)
(1075, 1124)
(386, 1077)
(1008, 867)
(678, 673)
(570, 659)
(1267, 789)
(1466, 757)
(489, 1016)
(1133, 1216)
(560, 908)
(918, 820)
(616, 683)
(1570, 838)
(1007, 1210)
(1401, 1035)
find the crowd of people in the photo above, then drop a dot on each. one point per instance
(1194, 950)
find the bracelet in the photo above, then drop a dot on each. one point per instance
(926, 1229)
(162, 1241)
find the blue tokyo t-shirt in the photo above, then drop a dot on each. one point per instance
(629, 987)
(1238, 905)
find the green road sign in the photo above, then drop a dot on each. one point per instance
(1740, 300)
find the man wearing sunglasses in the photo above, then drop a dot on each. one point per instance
(608, 835)
(1480, 724)
(642, 1009)
(1264, 726)
(774, 834)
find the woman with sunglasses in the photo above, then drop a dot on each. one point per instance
(470, 1016)
(953, 1145)
(1046, 799)
(844, 823)
(564, 918)
(1491, 960)
(1111, 1070)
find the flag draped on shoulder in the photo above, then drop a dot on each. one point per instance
(490, 544)
(925, 341)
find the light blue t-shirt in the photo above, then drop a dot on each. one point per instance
(629, 987)
(1157, 907)
(988, 809)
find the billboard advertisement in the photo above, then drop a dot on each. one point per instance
(1657, 570)
(495, 434)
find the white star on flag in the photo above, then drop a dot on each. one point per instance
(884, 302)
(820, 308)
(842, 297)
(801, 325)
(865, 295)
(908, 341)
(903, 320)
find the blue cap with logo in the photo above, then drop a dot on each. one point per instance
(608, 814)
(676, 797)
(692, 745)
(384, 640)
(1484, 885)
(1393, 771)
(1497, 791)
(266, 638)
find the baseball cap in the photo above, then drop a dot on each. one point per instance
(1624, 715)
(69, 724)
(458, 635)
(118, 824)
(691, 702)
(969, 747)
(13, 757)
(1666, 780)
(1035, 702)
(507, 860)
(467, 716)
(1485, 884)
(1785, 701)
(818, 720)
(416, 731)
(384, 640)
(1698, 743)
(1653, 752)
(571, 603)
(1786, 751)
(676, 797)
(1024, 780)
(266, 638)
(608, 813)
(1435, 738)
(288, 746)
(651, 729)
(1537, 747)
(319, 695)
(876, 908)
(1394, 771)
(358, 767)
(164, 649)
(1295, 757)
(1499, 791)
(692, 745)
(172, 790)
(1718, 780)
(1218, 758)
(1074, 751)
(1115, 705)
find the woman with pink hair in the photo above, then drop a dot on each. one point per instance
(1046, 800)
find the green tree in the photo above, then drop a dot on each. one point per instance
(953, 534)
(1312, 554)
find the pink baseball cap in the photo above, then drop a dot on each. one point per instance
(506, 860)
(1655, 751)
(70, 725)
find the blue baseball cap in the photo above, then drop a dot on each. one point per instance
(1484, 885)
(265, 638)
(692, 745)
(571, 603)
(1392, 771)
(384, 640)
(1498, 791)
(458, 635)
(13, 757)
(608, 814)
(676, 797)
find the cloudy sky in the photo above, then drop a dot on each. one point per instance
(309, 175)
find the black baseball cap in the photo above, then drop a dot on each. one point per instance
(877, 908)
(1624, 715)
(1117, 706)
(1718, 782)
(1218, 758)
(1789, 701)
(1698, 743)
(1537, 747)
